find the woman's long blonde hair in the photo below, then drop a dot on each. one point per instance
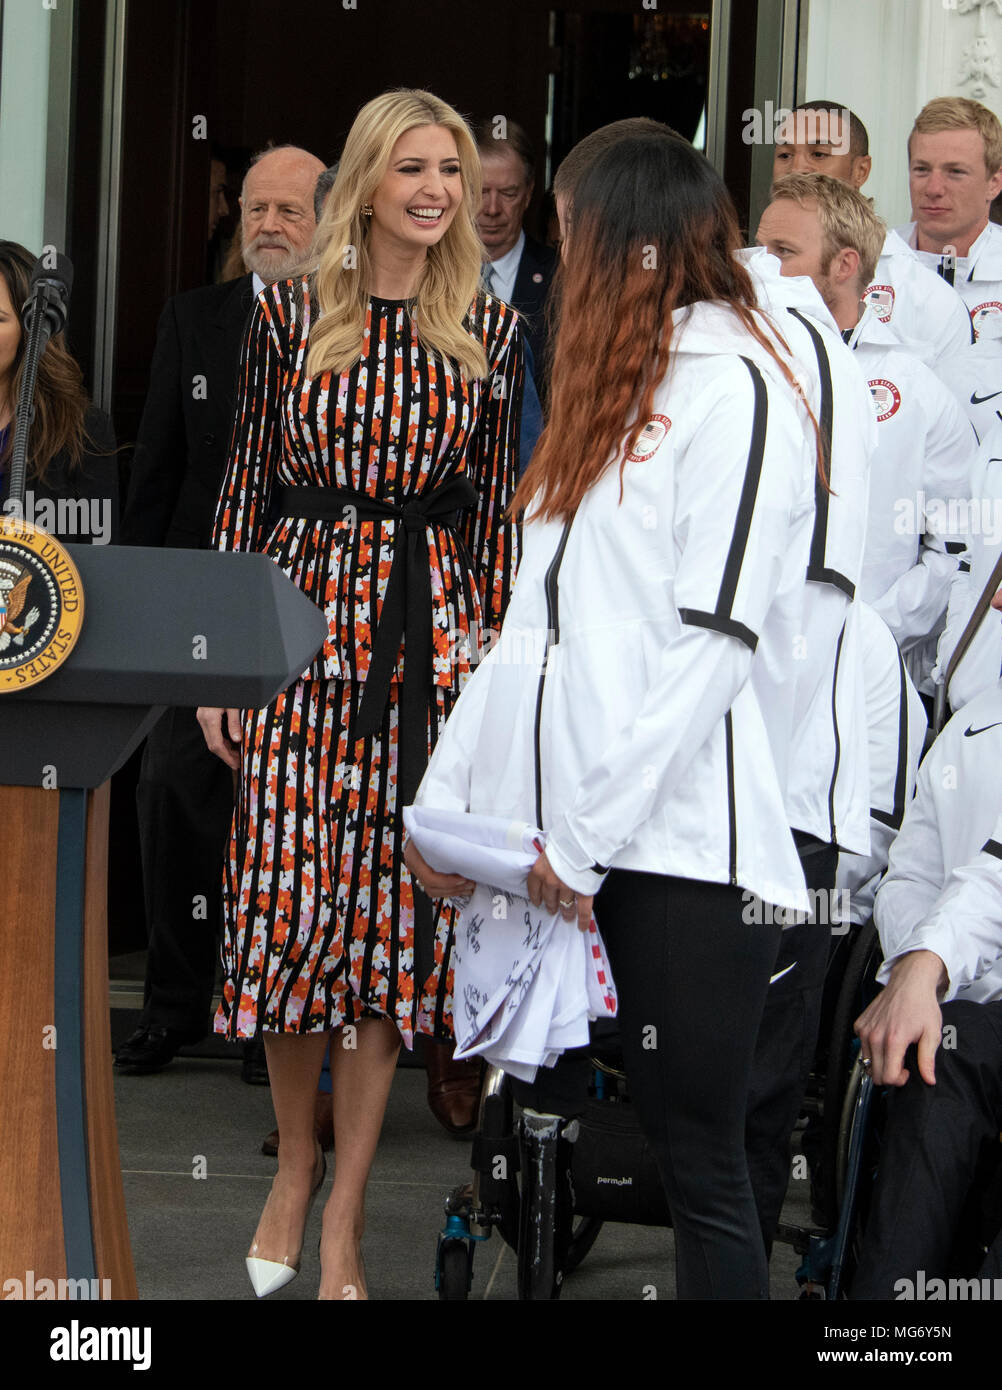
(451, 275)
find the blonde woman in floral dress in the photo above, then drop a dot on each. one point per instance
(374, 458)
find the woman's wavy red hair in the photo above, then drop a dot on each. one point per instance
(651, 229)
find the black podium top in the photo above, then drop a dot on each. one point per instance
(161, 627)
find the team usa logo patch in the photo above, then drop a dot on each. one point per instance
(886, 398)
(989, 310)
(881, 300)
(649, 439)
(41, 605)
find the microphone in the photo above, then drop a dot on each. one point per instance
(49, 295)
(44, 314)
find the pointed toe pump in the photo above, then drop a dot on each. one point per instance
(267, 1276)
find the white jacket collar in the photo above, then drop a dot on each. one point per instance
(712, 328)
(985, 255)
(873, 331)
(777, 291)
(895, 245)
(982, 262)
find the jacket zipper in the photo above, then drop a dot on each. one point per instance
(838, 739)
(732, 809)
(552, 636)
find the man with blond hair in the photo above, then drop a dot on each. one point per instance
(824, 137)
(954, 173)
(921, 473)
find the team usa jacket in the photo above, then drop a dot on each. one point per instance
(951, 837)
(920, 486)
(896, 725)
(918, 306)
(827, 789)
(616, 711)
(977, 277)
(975, 378)
(981, 665)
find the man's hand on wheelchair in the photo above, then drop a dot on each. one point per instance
(906, 1011)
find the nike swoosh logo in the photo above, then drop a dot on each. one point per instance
(980, 400)
(970, 731)
(781, 973)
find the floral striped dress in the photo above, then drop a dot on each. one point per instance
(322, 923)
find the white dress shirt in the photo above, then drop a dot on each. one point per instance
(505, 270)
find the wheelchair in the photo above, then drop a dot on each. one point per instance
(852, 1130)
(547, 1185)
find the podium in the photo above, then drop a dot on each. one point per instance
(160, 628)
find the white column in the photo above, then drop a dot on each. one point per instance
(866, 54)
(24, 95)
(886, 58)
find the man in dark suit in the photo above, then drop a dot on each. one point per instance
(185, 793)
(520, 269)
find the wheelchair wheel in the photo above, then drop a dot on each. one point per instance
(860, 1126)
(847, 1124)
(584, 1237)
(455, 1270)
(857, 989)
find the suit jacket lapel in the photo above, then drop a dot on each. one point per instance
(234, 310)
(223, 344)
(528, 294)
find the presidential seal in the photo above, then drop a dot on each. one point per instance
(41, 604)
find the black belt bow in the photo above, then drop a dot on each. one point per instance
(406, 612)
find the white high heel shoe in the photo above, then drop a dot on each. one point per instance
(268, 1275)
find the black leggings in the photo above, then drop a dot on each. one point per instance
(692, 978)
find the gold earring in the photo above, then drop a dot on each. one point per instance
(366, 209)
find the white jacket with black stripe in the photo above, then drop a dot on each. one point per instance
(633, 736)
(981, 665)
(828, 788)
(897, 723)
(920, 488)
(951, 824)
(920, 308)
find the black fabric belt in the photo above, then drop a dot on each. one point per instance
(407, 607)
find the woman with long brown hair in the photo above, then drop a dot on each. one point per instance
(668, 515)
(72, 480)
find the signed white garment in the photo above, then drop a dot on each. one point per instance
(526, 982)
